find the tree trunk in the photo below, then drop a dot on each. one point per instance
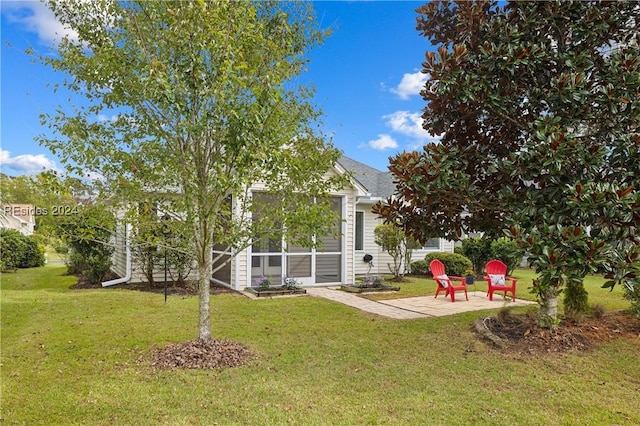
(548, 317)
(204, 285)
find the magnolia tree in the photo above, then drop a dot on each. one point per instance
(538, 108)
(186, 104)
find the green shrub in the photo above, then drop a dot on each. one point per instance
(420, 267)
(455, 264)
(20, 251)
(478, 250)
(632, 294)
(12, 244)
(88, 233)
(507, 251)
(33, 254)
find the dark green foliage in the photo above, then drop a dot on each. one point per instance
(508, 251)
(479, 251)
(632, 293)
(455, 264)
(420, 267)
(576, 299)
(19, 251)
(88, 234)
(538, 108)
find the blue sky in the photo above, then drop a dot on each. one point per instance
(367, 78)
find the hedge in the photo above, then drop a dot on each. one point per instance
(455, 264)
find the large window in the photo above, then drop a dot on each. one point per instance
(432, 244)
(359, 244)
(270, 258)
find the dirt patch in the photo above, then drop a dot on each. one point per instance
(521, 334)
(199, 354)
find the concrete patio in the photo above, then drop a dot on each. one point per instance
(417, 307)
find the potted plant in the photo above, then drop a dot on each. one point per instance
(469, 277)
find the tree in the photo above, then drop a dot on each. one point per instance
(203, 102)
(400, 246)
(538, 107)
(392, 240)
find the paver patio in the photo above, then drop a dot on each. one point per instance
(417, 307)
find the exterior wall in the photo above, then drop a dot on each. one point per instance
(241, 278)
(380, 257)
(119, 256)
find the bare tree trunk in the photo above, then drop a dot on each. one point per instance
(548, 317)
(204, 284)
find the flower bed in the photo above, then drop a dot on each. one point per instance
(275, 291)
(367, 289)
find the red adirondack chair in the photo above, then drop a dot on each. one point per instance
(445, 282)
(497, 279)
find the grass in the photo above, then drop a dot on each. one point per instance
(82, 357)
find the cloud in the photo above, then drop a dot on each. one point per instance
(410, 85)
(37, 18)
(383, 142)
(26, 163)
(406, 123)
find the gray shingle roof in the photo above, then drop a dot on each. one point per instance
(378, 183)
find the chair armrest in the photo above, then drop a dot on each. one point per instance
(455, 278)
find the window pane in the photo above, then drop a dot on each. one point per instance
(432, 243)
(359, 230)
(275, 260)
(328, 268)
(298, 266)
(331, 242)
(224, 274)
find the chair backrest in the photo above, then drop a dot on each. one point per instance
(437, 268)
(496, 267)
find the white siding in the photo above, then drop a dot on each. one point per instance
(381, 258)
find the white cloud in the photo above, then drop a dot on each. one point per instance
(410, 85)
(406, 123)
(37, 18)
(383, 142)
(26, 163)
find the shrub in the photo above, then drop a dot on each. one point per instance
(478, 251)
(33, 254)
(12, 244)
(19, 251)
(420, 267)
(455, 264)
(507, 251)
(87, 233)
(632, 294)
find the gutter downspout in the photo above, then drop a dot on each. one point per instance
(127, 275)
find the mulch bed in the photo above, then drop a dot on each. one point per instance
(172, 288)
(520, 333)
(203, 355)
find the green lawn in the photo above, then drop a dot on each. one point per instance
(82, 357)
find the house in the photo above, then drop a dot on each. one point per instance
(379, 186)
(336, 261)
(20, 217)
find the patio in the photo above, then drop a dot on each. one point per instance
(417, 307)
